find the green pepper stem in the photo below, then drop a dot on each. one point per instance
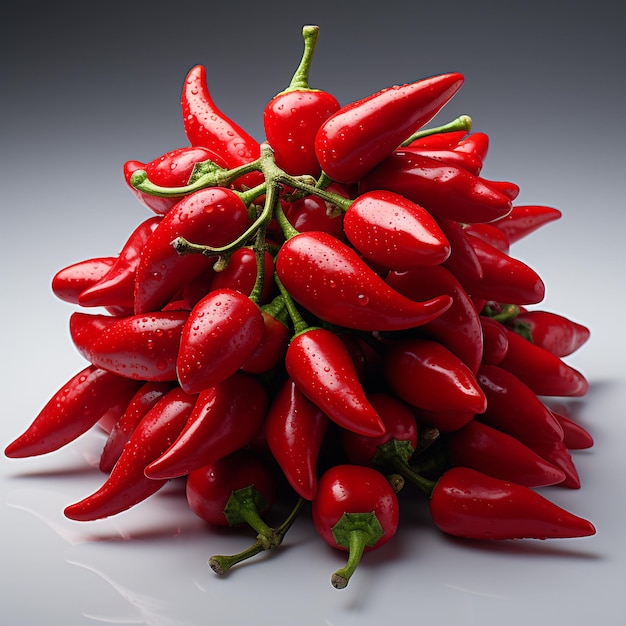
(221, 563)
(358, 539)
(334, 198)
(299, 323)
(404, 469)
(184, 246)
(463, 122)
(214, 177)
(300, 80)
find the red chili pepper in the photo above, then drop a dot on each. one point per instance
(241, 273)
(455, 147)
(459, 328)
(172, 169)
(389, 230)
(206, 125)
(491, 234)
(117, 286)
(273, 346)
(474, 144)
(292, 118)
(545, 373)
(495, 341)
(75, 408)
(141, 347)
(312, 213)
(332, 282)
(444, 421)
(69, 282)
(127, 485)
(514, 408)
(463, 261)
(575, 436)
(233, 491)
(427, 375)
(523, 220)
(505, 278)
(212, 217)
(361, 134)
(500, 455)
(321, 366)
(438, 141)
(396, 445)
(555, 333)
(144, 399)
(467, 503)
(355, 510)
(449, 157)
(222, 331)
(556, 453)
(294, 430)
(225, 418)
(446, 191)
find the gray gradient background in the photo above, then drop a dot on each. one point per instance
(86, 87)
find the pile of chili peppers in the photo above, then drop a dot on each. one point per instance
(332, 318)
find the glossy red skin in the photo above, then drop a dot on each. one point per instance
(463, 261)
(491, 234)
(400, 425)
(117, 286)
(444, 421)
(291, 121)
(463, 160)
(206, 125)
(225, 418)
(68, 283)
(515, 409)
(506, 188)
(322, 368)
(505, 278)
(272, 348)
(439, 141)
(209, 488)
(444, 190)
(75, 408)
(311, 213)
(545, 373)
(555, 333)
(294, 430)
(394, 232)
(500, 455)
(575, 436)
(361, 134)
(495, 341)
(557, 453)
(222, 331)
(241, 272)
(475, 144)
(467, 503)
(354, 489)
(127, 485)
(524, 220)
(214, 216)
(141, 347)
(332, 282)
(427, 375)
(172, 169)
(144, 399)
(459, 328)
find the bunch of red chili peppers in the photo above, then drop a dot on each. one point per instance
(329, 318)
